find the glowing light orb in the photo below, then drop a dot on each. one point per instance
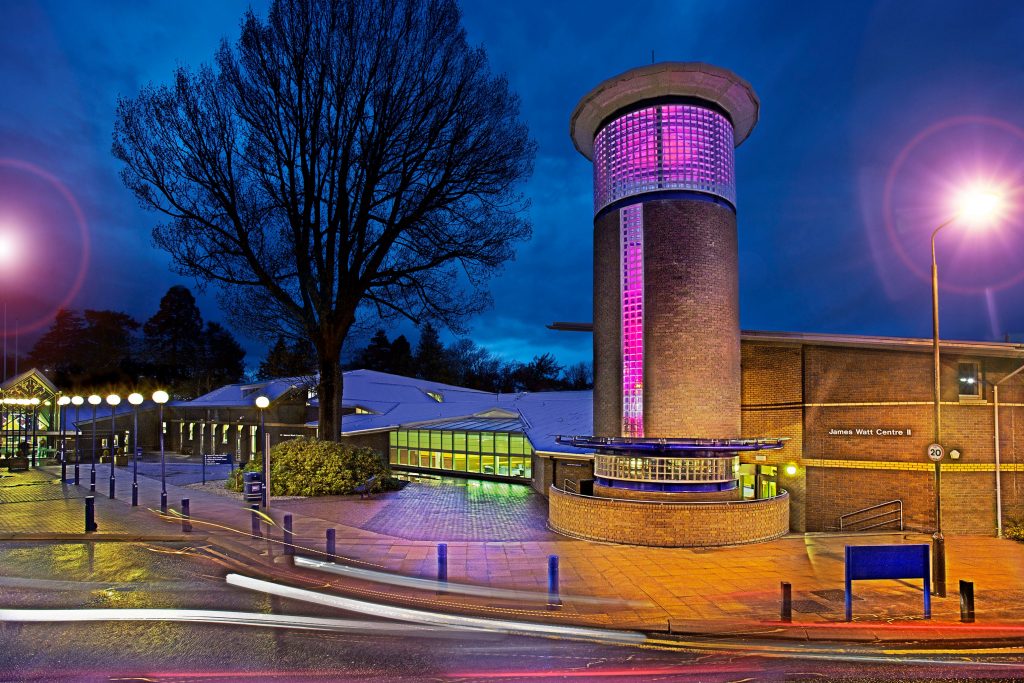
(979, 204)
(8, 249)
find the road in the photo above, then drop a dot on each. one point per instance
(90, 576)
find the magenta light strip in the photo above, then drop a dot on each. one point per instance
(665, 147)
(631, 221)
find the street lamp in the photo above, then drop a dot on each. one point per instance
(160, 398)
(77, 402)
(34, 402)
(62, 415)
(262, 402)
(94, 401)
(113, 401)
(136, 400)
(975, 205)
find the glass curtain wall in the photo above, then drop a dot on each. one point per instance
(502, 454)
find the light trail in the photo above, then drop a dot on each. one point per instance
(221, 617)
(446, 587)
(406, 614)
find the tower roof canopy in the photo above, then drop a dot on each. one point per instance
(665, 79)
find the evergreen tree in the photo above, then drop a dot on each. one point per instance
(432, 363)
(287, 360)
(540, 374)
(58, 353)
(401, 361)
(173, 338)
(108, 347)
(377, 354)
(223, 358)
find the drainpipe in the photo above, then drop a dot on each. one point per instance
(999, 486)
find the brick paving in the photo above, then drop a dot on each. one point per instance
(695, 588)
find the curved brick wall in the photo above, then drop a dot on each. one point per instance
(671, 496)
(684, 525)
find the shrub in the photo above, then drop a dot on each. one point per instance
(311, 467)
(1014, 530)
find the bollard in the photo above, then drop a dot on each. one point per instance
(967, 601)
(442, 566)
(90, 514)
(135, 494)
(76, 474)
(186, 520)
(63, 472)
(92, 481)
(256, 520)
(163, 502)
(786, 614)
(289, 548)
(111, 496)
(554, 601)
(331, 538)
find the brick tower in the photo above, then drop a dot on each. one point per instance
(666, 282)
(666, 304)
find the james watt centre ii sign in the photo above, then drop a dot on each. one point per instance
(868, 431)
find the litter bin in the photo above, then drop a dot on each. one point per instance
(252, 486)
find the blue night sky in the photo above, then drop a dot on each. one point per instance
(860, 101)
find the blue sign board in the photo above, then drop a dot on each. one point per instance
(869, 562)
(217, 459)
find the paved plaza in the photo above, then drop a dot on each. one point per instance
(398, 532)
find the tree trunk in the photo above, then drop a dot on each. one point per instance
(329, 392)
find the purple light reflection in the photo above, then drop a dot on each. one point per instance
(631, 220)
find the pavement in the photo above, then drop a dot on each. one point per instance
(497, 537)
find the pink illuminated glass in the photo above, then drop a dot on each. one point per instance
(631, 221)
(665, 147)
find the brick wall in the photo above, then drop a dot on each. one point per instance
(667, 524)
(675, 496)
(607, 327)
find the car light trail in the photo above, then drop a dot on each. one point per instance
(447, 587)
(449, 620)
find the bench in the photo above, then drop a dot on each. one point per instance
(364, 489)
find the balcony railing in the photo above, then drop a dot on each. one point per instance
(667, 470)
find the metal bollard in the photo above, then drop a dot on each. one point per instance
(163, 502)
(967, 601)
(442, 565)
(90, 514)
(554, 600)
(76, 473)
(135, 494)
(63, 472)
(186, 520)
(786, 613)
(92, 481)
(289, 547)
(111, 496)
(331, 545)
(256, 520)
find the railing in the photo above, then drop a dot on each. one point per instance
(666, 470)
(889, 512)
(571, 485)
(782, 493)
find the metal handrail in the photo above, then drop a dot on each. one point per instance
(899, 510)
(571, 486)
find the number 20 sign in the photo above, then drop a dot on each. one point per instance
(935, 452)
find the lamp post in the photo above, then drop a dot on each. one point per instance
(136, 400)
(77, 402)
(262, 402)
(34, 402)
(62, 415)
(113, 401)
(160, 398)
(974, 205)
(94, 401)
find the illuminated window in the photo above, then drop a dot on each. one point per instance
(436, 396)
(479, 452)
(970, 379)
(631, 219)
(665, 147)
(363, 411)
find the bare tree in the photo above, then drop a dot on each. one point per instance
(342, 160)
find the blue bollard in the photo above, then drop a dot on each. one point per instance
(90, 514)
(111, 496)
(553, 599)
(63, 472)
(135, 494)
(289, 548)
(256, 532)
(331, 538)
(92, 481)
(442, 565)
(186, 520)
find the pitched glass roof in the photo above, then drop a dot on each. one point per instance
(476, 424)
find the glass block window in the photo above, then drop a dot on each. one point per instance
(665, 147)
(970, 379)
(631, 221)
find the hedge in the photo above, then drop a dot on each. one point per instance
(310, 467)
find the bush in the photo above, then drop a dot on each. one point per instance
(311, 467)
(1014, 531)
